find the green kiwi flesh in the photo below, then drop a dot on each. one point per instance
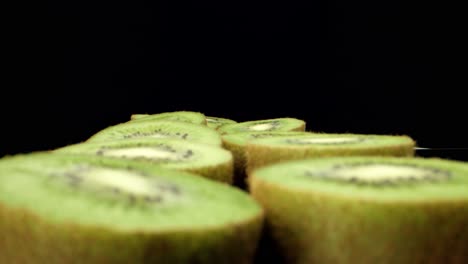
(265, 151)
(366, 209)
(236, 144)
(159, 129)
(217, 122)
(209, 161)
(58, 208)
(180, 116)
(277, 124)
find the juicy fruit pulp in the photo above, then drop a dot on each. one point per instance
(159, 129)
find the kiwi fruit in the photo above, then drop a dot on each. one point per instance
(64, 208)
(237, 142)
(366, 209)
(265, 151)
(180, 116)
(277, 124)
(217, 122)
(159, 129)
(209, 161)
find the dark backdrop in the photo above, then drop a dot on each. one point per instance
(344, 66)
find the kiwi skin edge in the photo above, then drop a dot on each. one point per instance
(138, 116)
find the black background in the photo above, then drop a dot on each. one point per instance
(367, 66)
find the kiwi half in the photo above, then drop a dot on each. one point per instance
(180, 116)
(217, 122)
(261, 152)
(366, 209)
(209, 161)
(237, 142)
(159, 129)
(277, 124)
(58, 208)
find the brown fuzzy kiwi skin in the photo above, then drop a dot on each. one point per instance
(300, 128)
(239, 153)
(259, 155)
(239, 158)
(222, 173)
(335, 230)
(28, 239)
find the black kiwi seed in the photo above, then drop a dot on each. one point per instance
(168, 187)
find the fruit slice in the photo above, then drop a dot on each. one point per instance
(217, 122)
(180, 116)
(237, 142)
(366, 209)
(267, 151)
(277, 124)
(209, 161)
(58, 208)
(159, 129)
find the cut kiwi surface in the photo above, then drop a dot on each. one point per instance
(60, 208)
(265, 151)
(366, 209)
(217, 122)
(277, 124)
(180, 116)
(159, 129)
(209, 161)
